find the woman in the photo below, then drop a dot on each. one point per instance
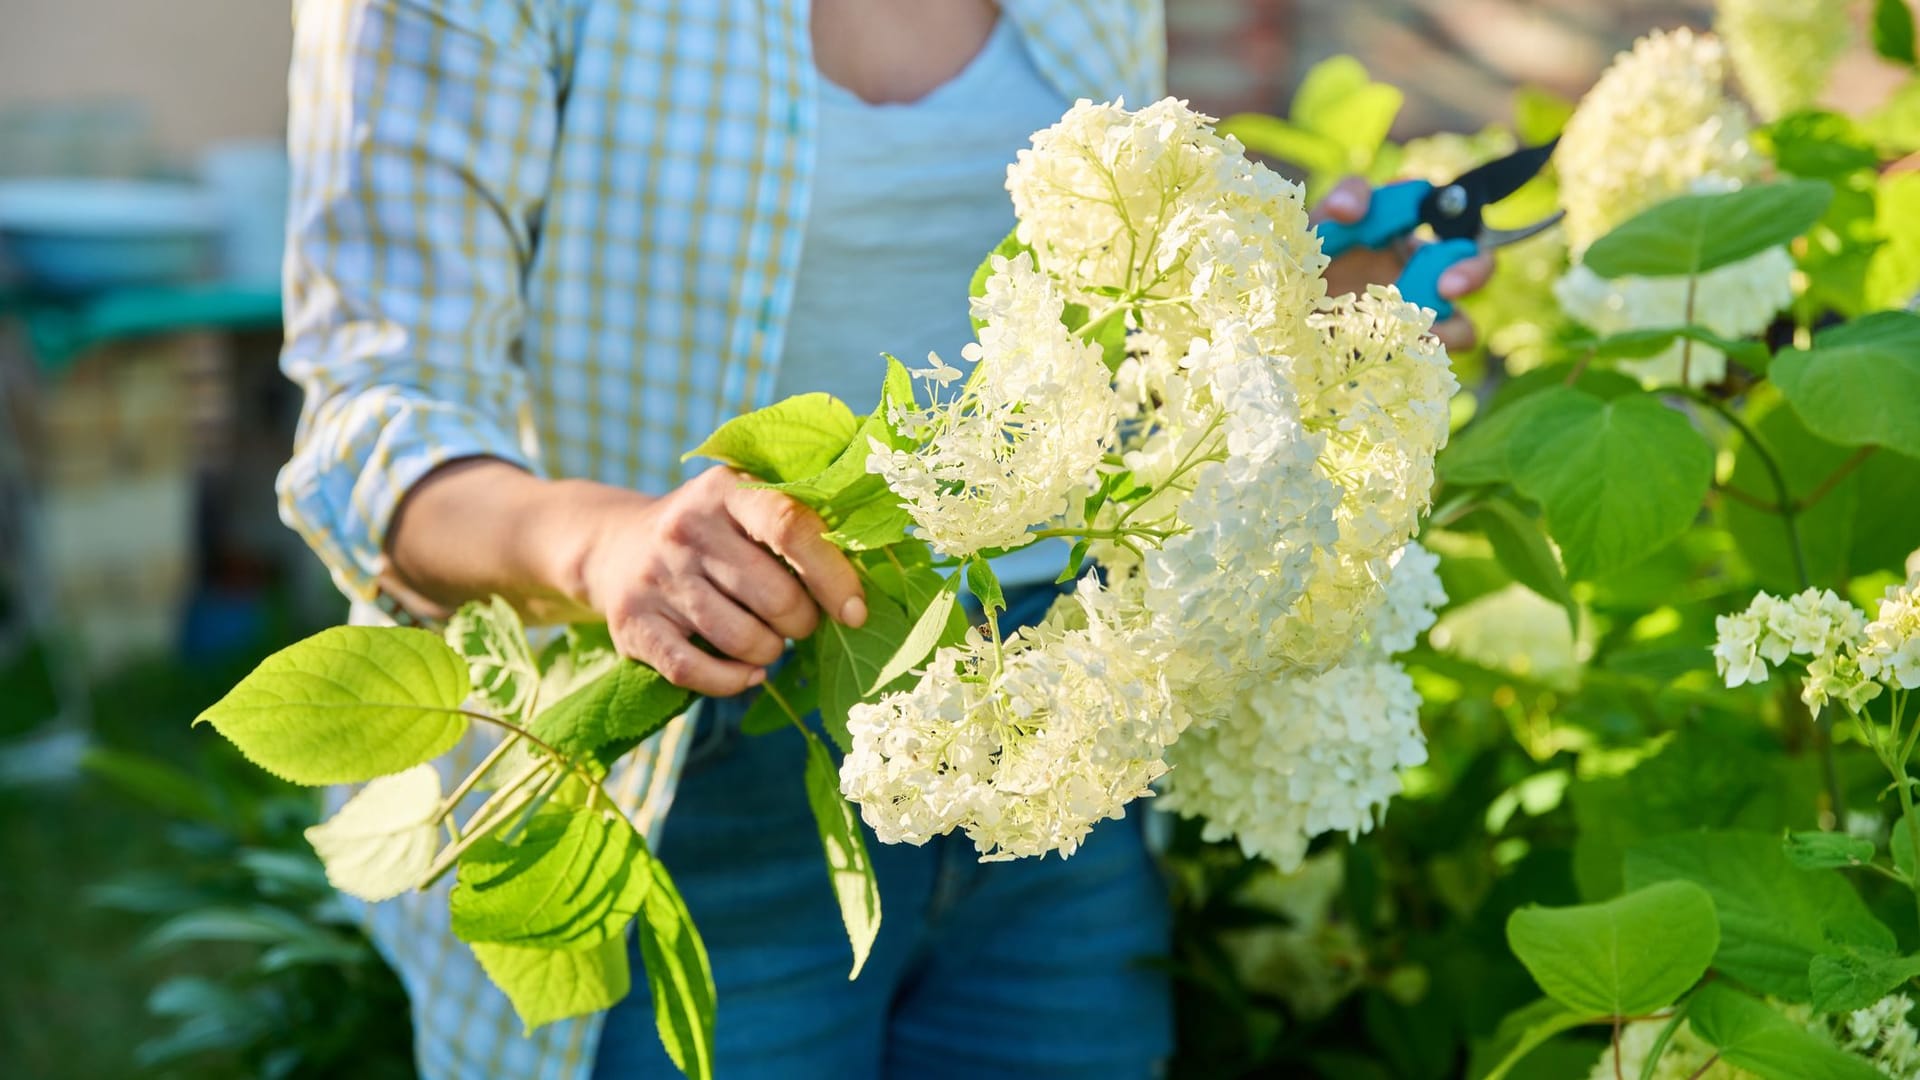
(540, 247)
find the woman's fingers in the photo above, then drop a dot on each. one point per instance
(657, 641)
(1346, 203)
(727, 626)
(1466, 276)
(762, 584)
(797, 535)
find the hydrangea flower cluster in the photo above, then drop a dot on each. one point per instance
(1246, 479)
(1883, 1034)
(1848, 658)
(1659, 124)
(1005, 453)
(1783, 50)
(1301, 756)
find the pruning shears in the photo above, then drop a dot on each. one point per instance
(1452, 211)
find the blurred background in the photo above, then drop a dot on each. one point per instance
(159, 912)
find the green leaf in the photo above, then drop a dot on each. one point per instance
(1893, 267)
(1522, 1031)
(852, 659)
(499, 663)
(1482, 452)
(1539, 114)
(1337, 125)
(984, 584)
(1692, 234)
(1858, 387)
(678, 976)
(1854, 977)
(1810, 850)
(848, 866)
(382, 841)
(788, 440)
(927, 633)
(346, 705)
(1617, 479)
(610, 715)
(1774, 917)
(1627, 956)
(553, 984)
(1892, 30)
(576, 658)
(573, 878)
(1817, 145)
(1522, 550)
(1752, 1036)
(1637, 344)
(860, 510)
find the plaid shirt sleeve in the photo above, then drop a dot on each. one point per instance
(421, 133)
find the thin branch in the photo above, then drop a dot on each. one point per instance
(1704, 1066)
(1833, 479)
(1739, 496)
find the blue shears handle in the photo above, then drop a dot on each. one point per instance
(1392, 215)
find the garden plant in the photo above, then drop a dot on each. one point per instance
(1638, 805)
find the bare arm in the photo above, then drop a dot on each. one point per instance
(740, 568)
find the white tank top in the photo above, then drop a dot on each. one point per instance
(907, 199)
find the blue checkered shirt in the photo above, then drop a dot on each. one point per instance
(562, 233)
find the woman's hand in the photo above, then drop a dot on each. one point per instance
(741, 569)
(1360, 267)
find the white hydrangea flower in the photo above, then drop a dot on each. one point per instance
(1659, 124)
(1157, 202)
(1814, 624)
(1656, 124)
(1783, 50)
(1735, 301)
(1024, 745)
(1890, 645)
(1297, 757)
(1020, 441)
(1884, 1034)
(383, 840)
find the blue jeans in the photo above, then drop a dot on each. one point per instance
(1031, 968)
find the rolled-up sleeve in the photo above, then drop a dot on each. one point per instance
(421, 134)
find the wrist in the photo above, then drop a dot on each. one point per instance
(568, 524)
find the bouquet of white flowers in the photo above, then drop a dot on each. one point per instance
(1240, 462)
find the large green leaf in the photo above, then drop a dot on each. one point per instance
(1336, 125)
(1651, 341)
(849, 868)
(572, 878)
(851, 659)
(1855, 976)
(1812, 850)
(1617, 479)
(1523, 551)
(382, 841)
(1630, 955)
(1753, 1036)
(678, 976)
(1892, 30)
(346, 705)
(1519, 1034)
(1692, 234)
(928, 631)
(791, 439)
(1774, 917)
(1482, 452)
(1857, 386)
(1817, 145)
(553, 984)
(610, 715)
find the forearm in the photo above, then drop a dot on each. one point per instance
(482, 527)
